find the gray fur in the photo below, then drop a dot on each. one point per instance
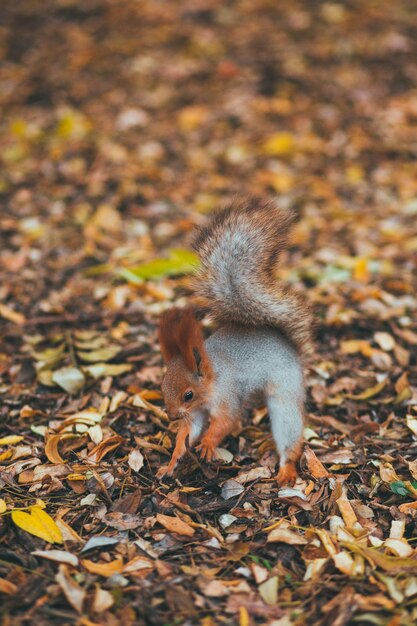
(276, 372)
(239, 251)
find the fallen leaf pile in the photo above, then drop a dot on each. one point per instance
(124, 124)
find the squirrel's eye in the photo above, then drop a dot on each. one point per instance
(188, 395)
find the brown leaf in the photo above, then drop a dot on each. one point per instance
(285, 535)
(316, 468)
(51, 449)
(102, 601)
(7, 587)
(104, 447)
(175, 525)
(72, 591)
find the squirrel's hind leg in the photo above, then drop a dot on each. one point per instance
(286, 417)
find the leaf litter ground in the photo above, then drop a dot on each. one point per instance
(124, 124)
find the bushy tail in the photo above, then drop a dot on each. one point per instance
(239, 251)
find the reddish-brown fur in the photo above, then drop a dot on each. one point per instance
(180, 334)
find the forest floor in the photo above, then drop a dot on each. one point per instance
(124, 124)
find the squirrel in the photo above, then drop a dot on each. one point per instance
(263, 335)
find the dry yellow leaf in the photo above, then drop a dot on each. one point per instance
(280, 144)
(9, 440)
(38, 523)
(244, 619)
(361, 270)
(7, 454)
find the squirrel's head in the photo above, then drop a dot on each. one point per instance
(189, 372)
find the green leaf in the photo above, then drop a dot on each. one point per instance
(179, 261)
(399, 488)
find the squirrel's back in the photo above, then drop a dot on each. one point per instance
(239, 251)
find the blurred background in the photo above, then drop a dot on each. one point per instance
(116, 111)
(124, 121)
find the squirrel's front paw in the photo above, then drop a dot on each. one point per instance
(287, 475)
(206, 449)
(166, 471)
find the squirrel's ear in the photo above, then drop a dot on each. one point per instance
(180, 334)
(167, 335)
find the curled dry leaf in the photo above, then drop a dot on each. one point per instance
(99, 542)
(71, 590)
(122, 521)
(51, 449)
(253, 474)
(104, 447)
(399, 547)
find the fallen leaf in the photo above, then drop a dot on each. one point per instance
(269, 591)
(10, 440)
(103, 569)
(72, 591)
(60, 556)
(11, 315)
(102, 600)
(316, 468)
(280, 144)
(285, 535)
(104, 447)
(51, 449)
(7, 587)
(38, 523)
(99, 542)
(135, 460)
(175, 525)
(69, 378)
(231, 488)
